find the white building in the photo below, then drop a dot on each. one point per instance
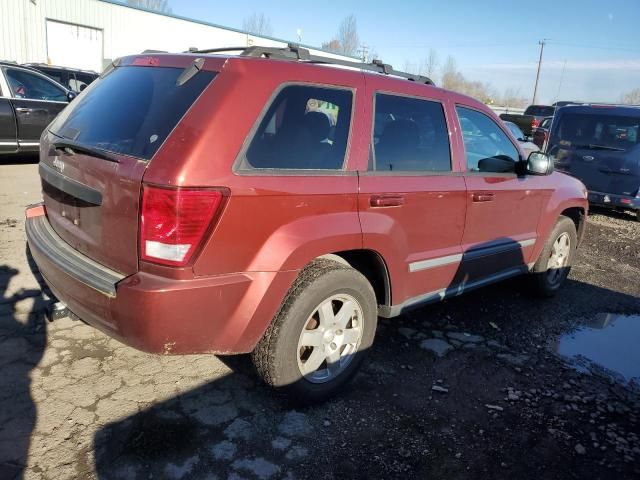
(88, 34)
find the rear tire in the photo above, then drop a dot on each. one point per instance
(554, 264)
(321, 334)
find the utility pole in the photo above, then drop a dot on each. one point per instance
(535, 89)
(363, 50)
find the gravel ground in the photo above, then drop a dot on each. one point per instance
(469, 388)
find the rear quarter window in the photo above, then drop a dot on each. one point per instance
(131, 111)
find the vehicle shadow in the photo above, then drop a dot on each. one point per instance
(235, 425)
(23, 338)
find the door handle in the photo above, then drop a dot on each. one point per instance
(24, 110)
(378, 201)
(482, 197)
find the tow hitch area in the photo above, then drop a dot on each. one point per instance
(57, 311)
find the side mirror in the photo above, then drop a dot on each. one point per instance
(71, 96)
(539, 163)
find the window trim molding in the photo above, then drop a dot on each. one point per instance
(241, 165)
(371, 167)
(464, 148)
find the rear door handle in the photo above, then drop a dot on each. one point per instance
(482, 197)
(24, 110)
(378, 201)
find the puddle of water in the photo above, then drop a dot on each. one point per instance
(609, 341)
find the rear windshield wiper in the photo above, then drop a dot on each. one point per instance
(592, 146)
(71, 147)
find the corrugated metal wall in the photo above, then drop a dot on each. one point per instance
(23, 36)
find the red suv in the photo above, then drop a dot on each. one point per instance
(236, 203)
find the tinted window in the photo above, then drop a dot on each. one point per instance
(539, 111)
(487, 147)
(594, 130)
(410, 135)
(130, 111)
(305, 128)
(29, 85)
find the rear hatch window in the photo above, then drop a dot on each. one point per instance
(132, 112)
(539, 111)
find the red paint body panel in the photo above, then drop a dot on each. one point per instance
(274, 223)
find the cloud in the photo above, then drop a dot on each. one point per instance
(591, 65)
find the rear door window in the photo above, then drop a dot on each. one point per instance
(409, 135)
(306, 127)
(131, 111)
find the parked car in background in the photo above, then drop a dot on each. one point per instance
(541, 132)
(301, 232)
(29, 101)
(599, 145)
(73, 79)
(530, 119)
(527, 146)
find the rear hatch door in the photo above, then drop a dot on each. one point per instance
(94, 155)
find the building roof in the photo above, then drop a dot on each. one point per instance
(215, 25)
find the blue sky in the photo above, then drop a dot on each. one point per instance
(593, 49)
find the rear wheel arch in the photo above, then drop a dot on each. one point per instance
(372, 266)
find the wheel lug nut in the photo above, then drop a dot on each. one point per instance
(333, 345)
(338, 332)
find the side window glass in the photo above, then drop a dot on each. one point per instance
(410, 135)
(306, 127)
(487, 147)
(28, 85)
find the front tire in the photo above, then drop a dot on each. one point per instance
(321, 334)
(554, 264)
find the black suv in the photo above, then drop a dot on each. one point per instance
(600, 145)
(75, 80)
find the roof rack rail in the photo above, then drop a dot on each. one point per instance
(295, 52)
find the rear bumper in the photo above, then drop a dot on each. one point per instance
(217, 314)
(614, 201)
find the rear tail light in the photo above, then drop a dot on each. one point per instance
(175, 221)
(534, 123)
